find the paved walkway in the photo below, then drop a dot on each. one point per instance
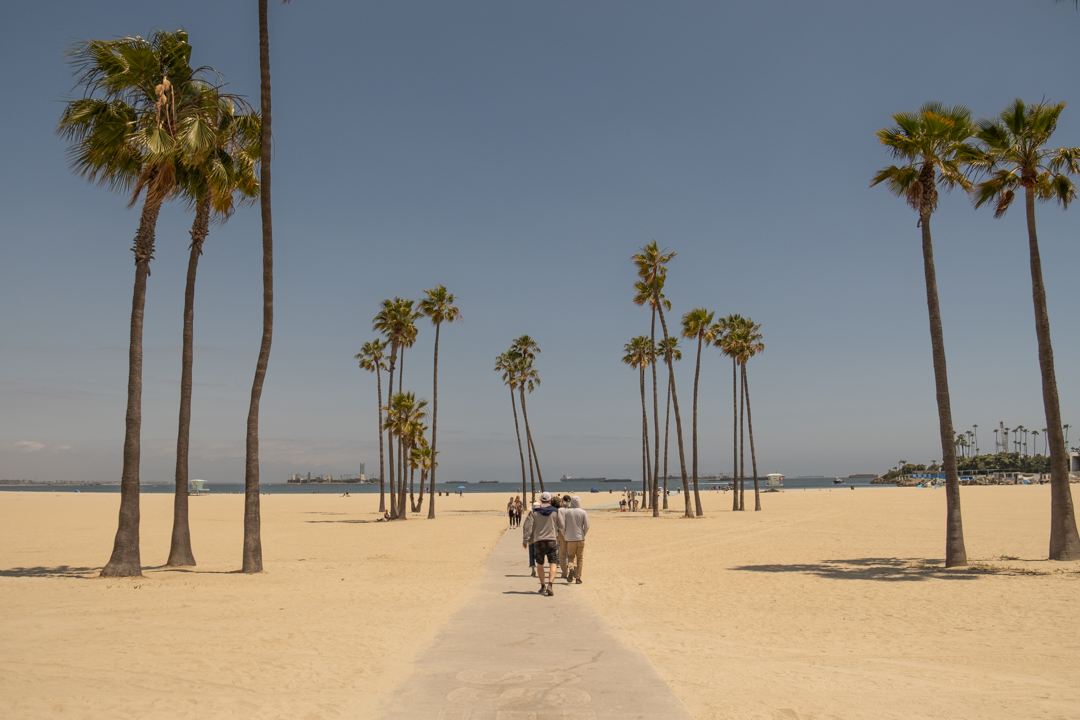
(513, 654)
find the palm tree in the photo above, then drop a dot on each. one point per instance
(252, 562)
(526, 350)
(417, 440)
(652, 269)
(1011, 152)
(670, 347)
(928, 142)
(392, 321)
(1035, 440)
(507, 364)
(210, 184)
(975, 435)
(439, 306)
(697, 323)
(644, 293)
(639, 354)
(750, 344)
(422, 460)
(372, 358)
(142, 116)
(404, 417)
(724, 328)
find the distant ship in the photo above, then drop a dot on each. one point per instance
(863, 475)
(567, 478)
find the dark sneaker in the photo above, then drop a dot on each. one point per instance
(577, 580)
(542, 590)
(570, 576)
(534, 572)
(547, 590)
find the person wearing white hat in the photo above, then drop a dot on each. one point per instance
(541, 530)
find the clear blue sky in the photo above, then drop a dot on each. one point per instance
(519, 153)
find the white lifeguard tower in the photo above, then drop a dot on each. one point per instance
(195, 487)
(774, 480)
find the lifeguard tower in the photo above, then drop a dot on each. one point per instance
(195, 487)
(774, 480)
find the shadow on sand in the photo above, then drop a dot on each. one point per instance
(885, 569)
(60, 571)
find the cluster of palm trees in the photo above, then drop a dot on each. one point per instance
(737, 337)
(405, 414)
(940, 145)
(154, 128)
(517, 367)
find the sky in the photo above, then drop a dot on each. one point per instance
(519, 154)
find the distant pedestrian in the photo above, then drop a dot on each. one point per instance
(542, 528)
(575, 527)
(510, 511)
(564, 505)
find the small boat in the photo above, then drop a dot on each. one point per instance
(838, 481)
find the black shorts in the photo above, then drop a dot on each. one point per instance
(547, 551)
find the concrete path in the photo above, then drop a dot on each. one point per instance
(512, 654)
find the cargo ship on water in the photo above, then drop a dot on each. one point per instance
(567, 478)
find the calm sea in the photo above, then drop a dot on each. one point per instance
(506, 488)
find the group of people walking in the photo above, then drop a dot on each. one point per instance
(554, 532)
(514, 509)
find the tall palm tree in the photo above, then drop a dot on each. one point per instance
(392, 321)
(644, 293)
(640, 353)
(217, 182)
(746, 343)
(929, 141)
(528, 377)
(721, 331)
(372, 357)
(975, 435)
(252, 560)
(1012, 153)
(507, 364)
(438, 304)
(142, 116)
(669, 348)
(422, 459)
(652, 270)
(698, 323)
(1035, 440)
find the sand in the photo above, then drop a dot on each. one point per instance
(829, 604)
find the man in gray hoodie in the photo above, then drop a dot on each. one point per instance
(541, 529)
(575, 527)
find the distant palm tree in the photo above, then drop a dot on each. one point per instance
(698, 323)
(394, 321)
(644, 295)
(928, 142)
(652, 269)
(438, 304)
(669, 348)
(1035, 440)
(422, 459)
(214, 183)
(746, 343)
(507, 364)
(721, 331)
(143, 115)
(1012, 153)
(526, 350)
(404, 416)
(372, 357)
(640, 353)
(975, 434)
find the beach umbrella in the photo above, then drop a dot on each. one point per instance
(460, 487)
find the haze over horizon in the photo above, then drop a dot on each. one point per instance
(519, 155)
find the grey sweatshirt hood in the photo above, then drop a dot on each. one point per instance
(575, 502)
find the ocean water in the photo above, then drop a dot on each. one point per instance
(505, 488)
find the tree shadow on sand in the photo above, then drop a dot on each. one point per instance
(59, 571)
(887, 569)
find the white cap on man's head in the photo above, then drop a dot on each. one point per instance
(545, 496)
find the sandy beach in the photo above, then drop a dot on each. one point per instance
(829, 604)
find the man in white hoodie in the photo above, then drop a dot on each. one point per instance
(575, 527)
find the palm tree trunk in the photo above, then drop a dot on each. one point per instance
(742, 450)
(252, 562)
(404, 446)
(382, 461)
(678, 418)
(645, 434)
(667, 442)
(656, 408)
(1064, 541)
(529, 441)
(180, 554)
(521, 453)
(126, 560)
(434, 428)
(750, 427)
(955, 552)
(390, 436)
(734, 437)
(412, 488)
(420, 496)
(697, 374)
